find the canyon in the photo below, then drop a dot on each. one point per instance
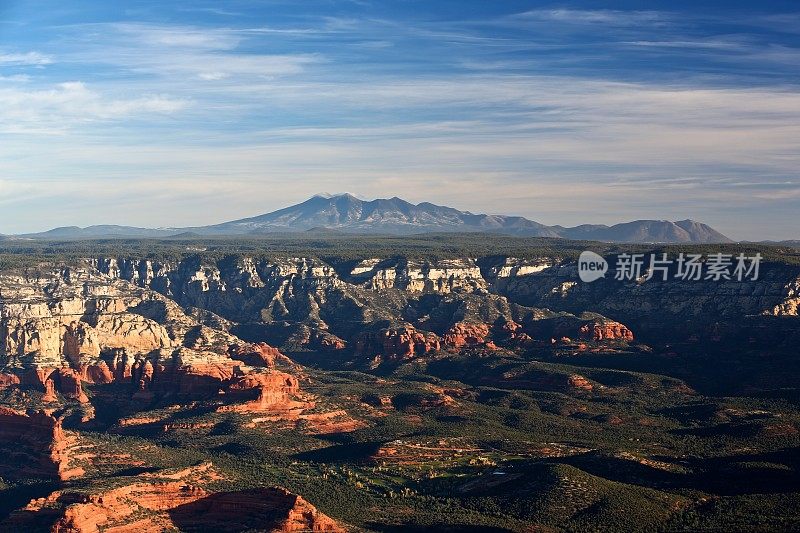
(436, 295)
(119, 373)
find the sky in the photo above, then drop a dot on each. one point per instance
(170, 114)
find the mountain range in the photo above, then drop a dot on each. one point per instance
(348, 214)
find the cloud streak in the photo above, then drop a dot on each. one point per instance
(70, 104)
(24, 59)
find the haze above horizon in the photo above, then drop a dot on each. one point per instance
(156, 114)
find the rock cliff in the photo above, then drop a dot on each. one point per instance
(33, 445)
(165, 501)
(340, 299)
(63, 329)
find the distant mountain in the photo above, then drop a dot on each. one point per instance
(647, 231)
(393, 215)
(347, 214)
(100, 231)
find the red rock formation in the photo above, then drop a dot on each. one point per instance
(96, 373)
(568, 327)
(166, 502)
(605, 330)
(8, 380)
(50, 395)
(34, 446)
(397, 343)
(51, 380)
(259, 354)
(201, 379)
(69, 383)
(121, 366)
(275, 392)
(330, 342)
(36, 377)
(577, 381)
(39, 378)
(315, 338)
(510, 330)
(144, 372)
(463, 334)
(538, 380)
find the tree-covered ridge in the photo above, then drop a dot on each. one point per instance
(340, 247)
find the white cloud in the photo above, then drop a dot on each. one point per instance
(169, 36)
(593, 17)
(68, 104)
(26, 58)
(212, 76)
(174, 52)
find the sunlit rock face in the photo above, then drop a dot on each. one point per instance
(36, 443)
(63, 328)
(172, 501)
(403, 342)
(328, 306)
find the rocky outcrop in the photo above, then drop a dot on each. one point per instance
(587, 327)
(258, 354)
(9, 380)
(577, 381)
(508, 330)
(60, 328)
(464, 334)
(80, 341)
(236, 288)
(605, 330)
(167, 501)
(69, 383)
(498, 272)
(275, 391)
(332, 302)
(442, 277)
(302, 292)
(396, 343)
(99, 373)
(250, 509)
(674, 308)
(533, 281)
(32, 445)
(543, 381)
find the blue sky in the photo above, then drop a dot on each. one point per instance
(188, 113)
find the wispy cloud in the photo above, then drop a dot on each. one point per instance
(65, 105)
(211, 10)
(593, 16)
(178, 51)
(25, 58)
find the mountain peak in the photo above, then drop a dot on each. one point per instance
(347, 213)
(328, 196)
